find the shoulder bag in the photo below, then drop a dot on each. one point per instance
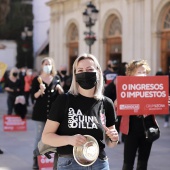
(151, 128)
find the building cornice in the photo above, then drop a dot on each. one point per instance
(52, 2)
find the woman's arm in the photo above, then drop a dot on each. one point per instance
(50, 137)
(112, 136)
(9, 89)
(59, 88)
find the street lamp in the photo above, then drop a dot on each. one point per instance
(89, 18)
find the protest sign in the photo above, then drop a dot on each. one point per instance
(138, 95)
(14, 123)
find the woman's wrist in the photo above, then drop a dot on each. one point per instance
(113, 141)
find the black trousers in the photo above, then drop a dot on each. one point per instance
(10, 103)
(136, 142)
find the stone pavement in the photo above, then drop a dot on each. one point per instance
(18, 146)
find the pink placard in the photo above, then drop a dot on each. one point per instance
(14, 123)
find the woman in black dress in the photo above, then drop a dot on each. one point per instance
(45, 88)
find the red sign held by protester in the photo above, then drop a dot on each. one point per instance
(45, 163)
(142, 95)
(14, 123)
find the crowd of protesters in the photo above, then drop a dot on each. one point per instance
(26, 87)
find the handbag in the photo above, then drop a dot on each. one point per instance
(151, 128)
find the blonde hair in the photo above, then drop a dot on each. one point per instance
(14, 69)
(98, 94)
(134, 65)
(53, 71)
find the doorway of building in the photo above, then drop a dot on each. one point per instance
(73, 52)
(72, 45)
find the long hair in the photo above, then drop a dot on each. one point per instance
(53, 71)
(99, 87)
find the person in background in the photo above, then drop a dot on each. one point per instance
(64, 77)
(109, 68)
(159, 72)
(166, 120)
(27, 85)
(45, 88)
(111, 72)
(84, 98)
(123, 66)
(110, 91)
(13, 87)
(133, 128)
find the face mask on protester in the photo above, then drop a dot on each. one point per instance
(63, 72)
(15, 74)
(29, 73)
(47, 69)
(86, 80)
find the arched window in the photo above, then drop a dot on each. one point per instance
(166, 24)
(73, 33)
(115, 27)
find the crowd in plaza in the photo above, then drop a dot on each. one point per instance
(87, 88)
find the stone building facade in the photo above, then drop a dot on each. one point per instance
(125, 30)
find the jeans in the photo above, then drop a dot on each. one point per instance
(70, 164)
(39, 126)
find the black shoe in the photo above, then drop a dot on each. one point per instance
(35, 163)
(1, 152)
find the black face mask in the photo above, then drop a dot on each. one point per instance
(63, 72)
(86, 80)
(115, 69)
(15, 74)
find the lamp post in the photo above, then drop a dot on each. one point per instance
(26, 36)
(89, 18)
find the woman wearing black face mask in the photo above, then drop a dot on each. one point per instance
(12, 86)
(80, 113)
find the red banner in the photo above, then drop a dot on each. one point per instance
(14, 123)
(142, 95)
(45, 163)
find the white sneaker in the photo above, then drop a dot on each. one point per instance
(166, 124)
